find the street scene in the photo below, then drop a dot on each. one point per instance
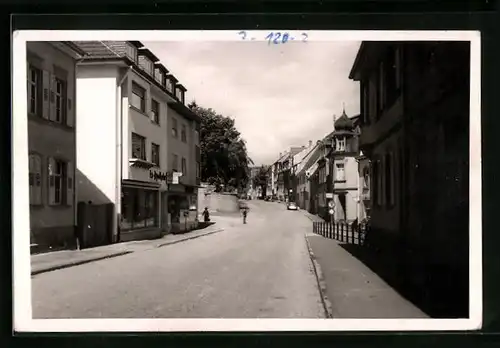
(165, 181)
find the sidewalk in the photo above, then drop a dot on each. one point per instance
(51, 261)
(350, 289)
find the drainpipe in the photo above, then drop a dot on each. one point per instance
(119, 154)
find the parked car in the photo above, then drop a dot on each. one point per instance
(292, 206)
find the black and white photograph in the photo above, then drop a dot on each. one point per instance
(278, 180)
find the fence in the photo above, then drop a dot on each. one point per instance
(341, 231)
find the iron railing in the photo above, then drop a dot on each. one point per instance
(344, 232)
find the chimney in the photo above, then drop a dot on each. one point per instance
(310, 143)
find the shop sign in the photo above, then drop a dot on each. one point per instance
(160, 176)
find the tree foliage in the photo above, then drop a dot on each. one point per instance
(224, 158)
(260, 180)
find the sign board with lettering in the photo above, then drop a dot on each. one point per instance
(330, 211)
(329, 195)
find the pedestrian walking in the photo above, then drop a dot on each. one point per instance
(206, 215)
(245, 213)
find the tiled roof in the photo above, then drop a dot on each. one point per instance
(97, 49)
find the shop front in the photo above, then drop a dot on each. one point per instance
(141, 205)
(182, 208)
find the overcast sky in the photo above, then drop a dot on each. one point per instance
(280, 95)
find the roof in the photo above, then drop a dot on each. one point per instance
(181, 87)
(172, 77)
(161, 67)
(146, 52)
(302, 166)
(344, 122)
(184, 111)
(137, 44)
(97, 49)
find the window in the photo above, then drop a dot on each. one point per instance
(131, 52)
(147, 65)
(178, 94)
(34, 91)
(184, 134)
(60, 100)
(378, 190)
(183, 166)
(155, 111)
(174, 127)
(175, 163)
(381, 86)
(139, 208)
(198, 170)
(159, 76)
(340, 173)
(168, 85)
(397, 67)
(389, 180)
(57, 178)
(138, 146)
(155, 154)
(365, 102)
(35, 179)
(138, 100)
(340, 144)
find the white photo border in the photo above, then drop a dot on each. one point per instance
(22, 311)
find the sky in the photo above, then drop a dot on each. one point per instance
(279, 95)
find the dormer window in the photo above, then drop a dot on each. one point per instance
(179, 94)
(168, 85)
(159, 76)
(147, 65)
(131, 52)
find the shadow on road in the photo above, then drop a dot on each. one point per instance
(439, 291)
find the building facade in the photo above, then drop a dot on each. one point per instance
(364, 183)
(138, 102)
(185, 158)
(344, 168)
(414, 130)
(303, 174)
(50, 68)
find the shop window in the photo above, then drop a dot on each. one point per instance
(139, 208)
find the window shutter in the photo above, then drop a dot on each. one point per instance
(68, 107)
(46, 78)
(52, 98)
(69, 183)
(51, 182)
(37, 161)
(31, 179)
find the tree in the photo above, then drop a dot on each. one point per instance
(260, 180)
(224, 158)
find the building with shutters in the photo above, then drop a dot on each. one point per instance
(51, 142)
(143, 157)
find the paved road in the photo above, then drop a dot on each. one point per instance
(258, 270)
